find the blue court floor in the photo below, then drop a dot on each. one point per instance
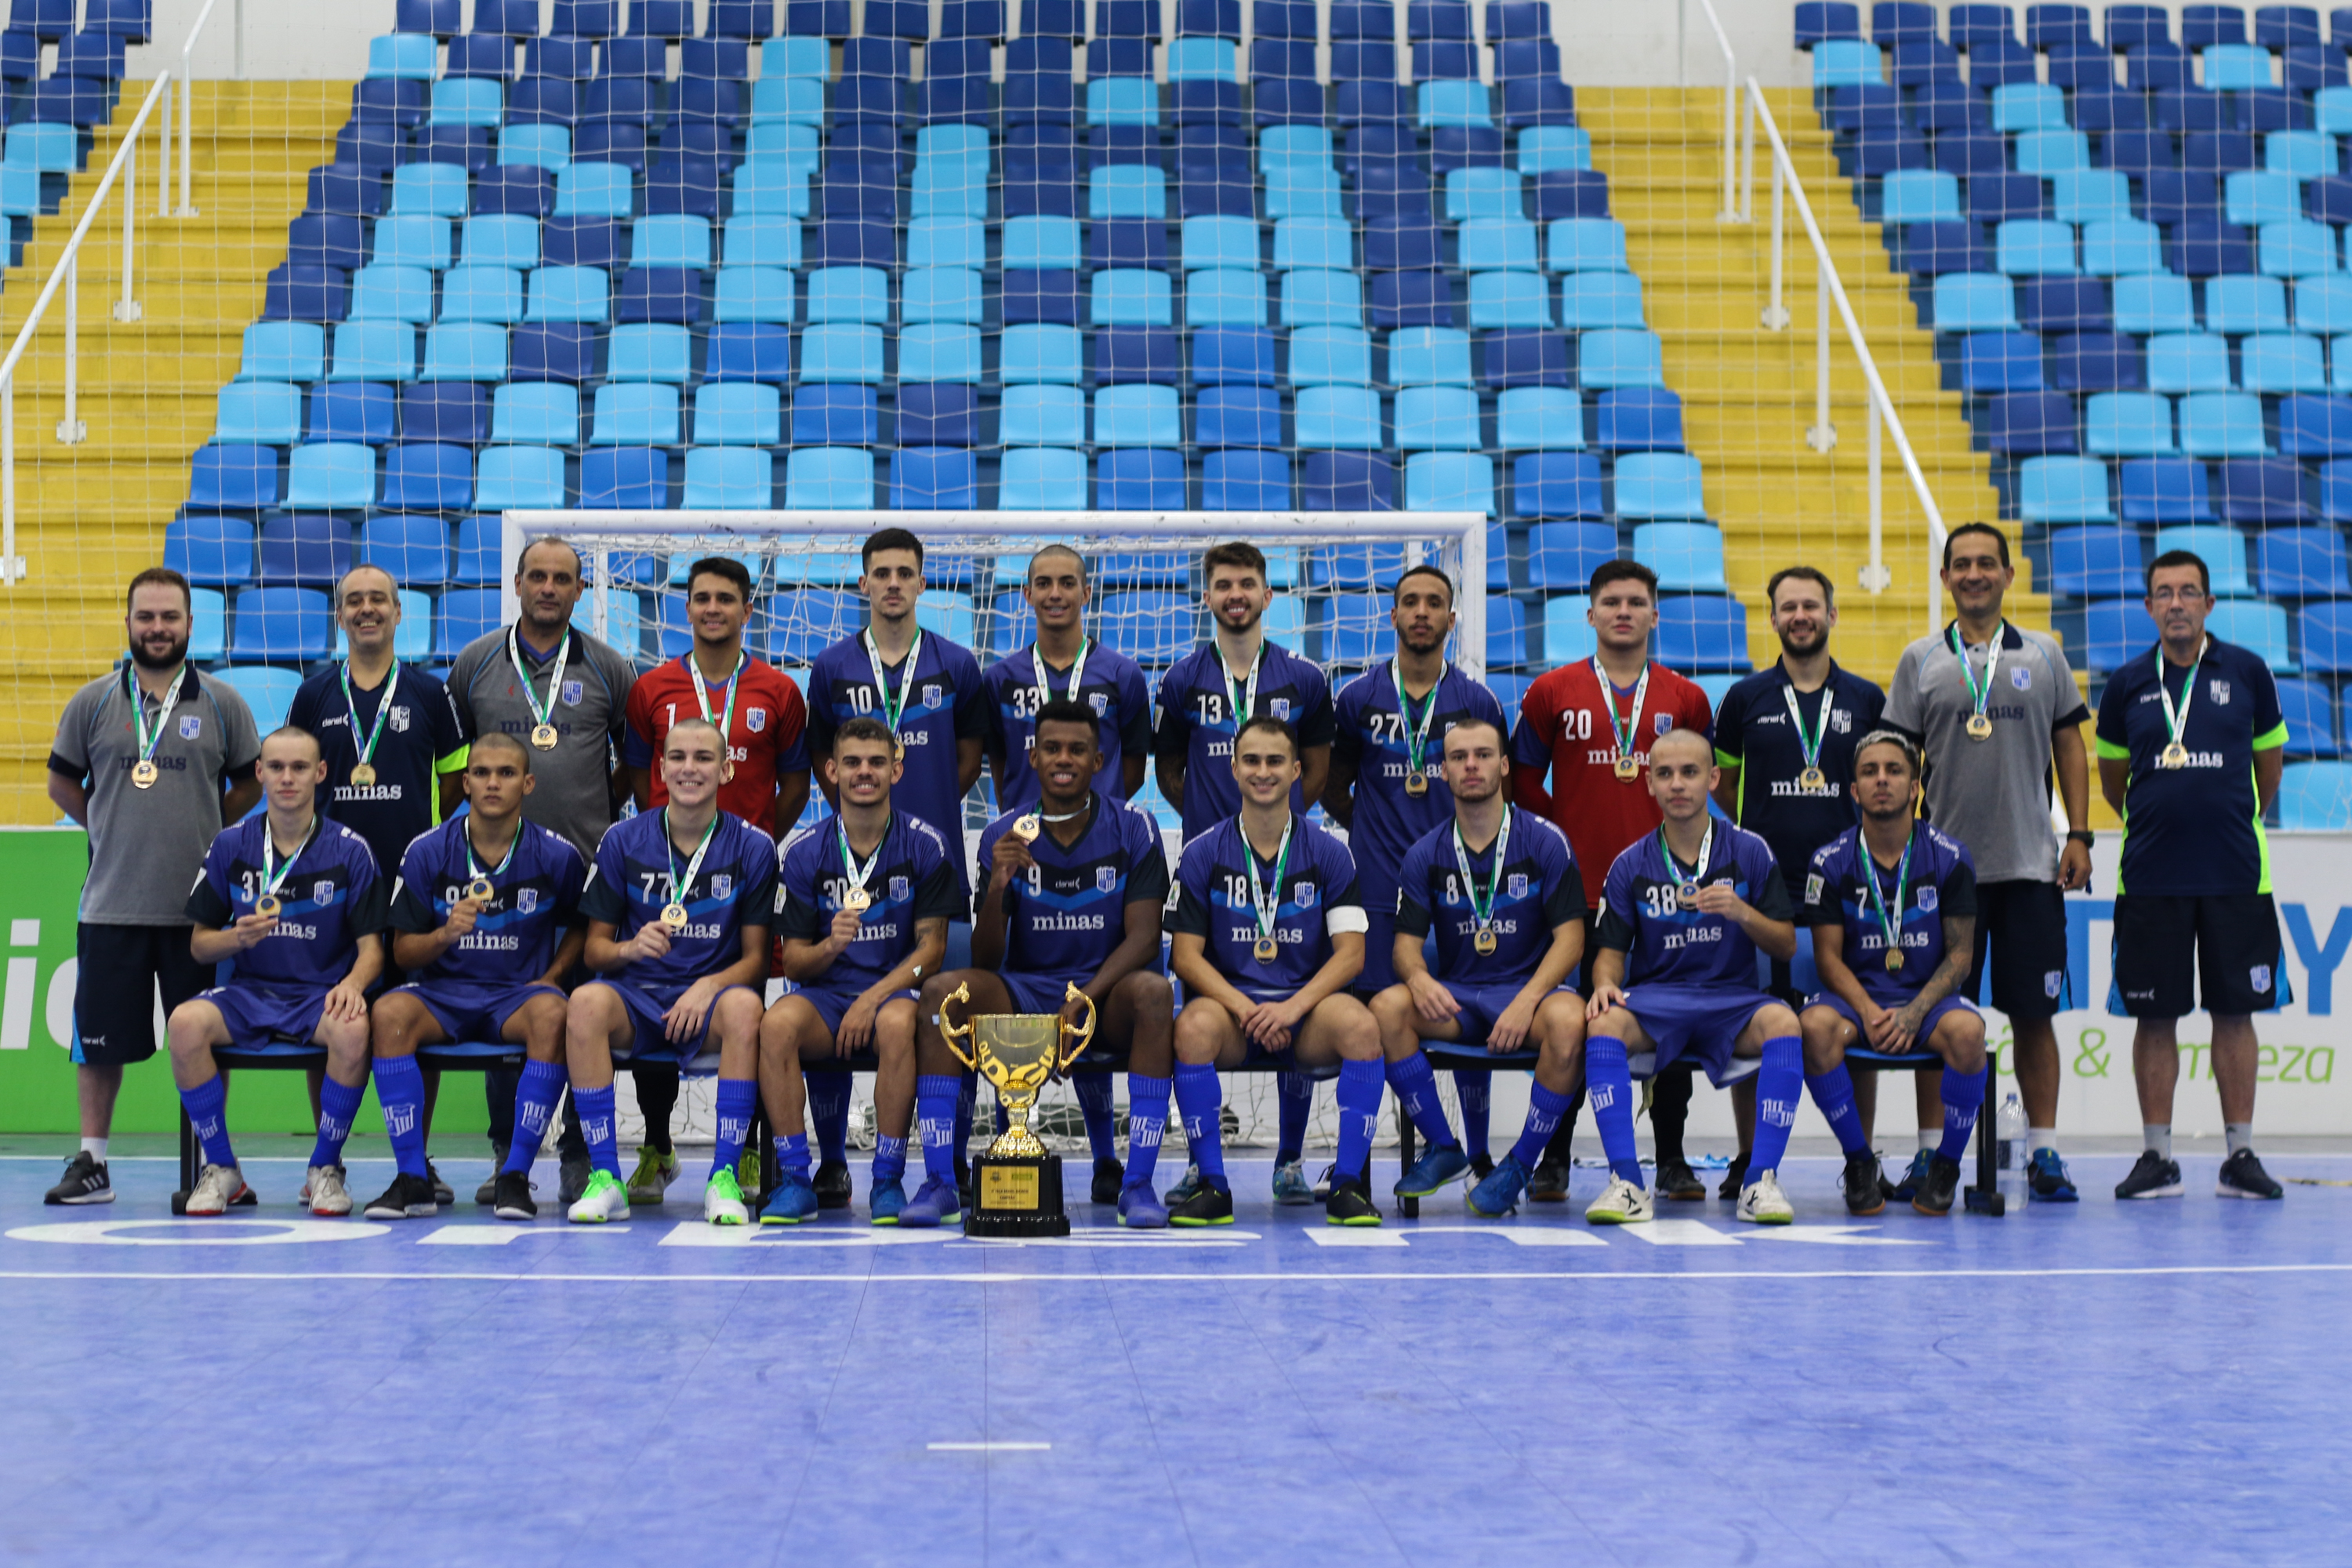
(2161, 1383)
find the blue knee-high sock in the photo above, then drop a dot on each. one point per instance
(737, 1099)
(1295, 1101)
(1476, 1089)
(1963, 1099)
(1094, 1104)
(935, 1122)
(828, 1114)
(207, 1106)
(889, 1160)
(1200, 1101)
(535, 1096)
(1778, 1083)
(967, 1105)
(339, 1106)
(1609, 1081)
(792, 1155)
(596, 1124)
(1544, 1110)
(1147, 1122)
(1834, 1097)
(400, 1089)
(1361, 1085)
(1416, 1090)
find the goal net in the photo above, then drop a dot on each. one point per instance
(1331, 571)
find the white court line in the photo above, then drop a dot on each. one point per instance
(1198, 1276)
(988, 1447)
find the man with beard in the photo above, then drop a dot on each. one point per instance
(1784, 745)
(143, 759)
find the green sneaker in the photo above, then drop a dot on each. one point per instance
(722, 1200)
(605, 1199)
(656, 1171)
(747, 1170)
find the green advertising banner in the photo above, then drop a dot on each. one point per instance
(40, 888)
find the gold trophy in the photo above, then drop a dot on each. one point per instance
(1019, 1182)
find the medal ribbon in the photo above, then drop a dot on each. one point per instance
(858, 879)
(1416, 731)
(1809, 744)
(1045, 687)
(384, 709)
(1483, 917)
(1890, 923)
(2176, 724)
(1674, 867)
(1624, 730)
(272, 881)
(678, 888)
(1978, 695)
(474, 867)
(890, 711)
(554, 674)
(1268, 910)
(726, 721)
(149, 740)
(1243, 706)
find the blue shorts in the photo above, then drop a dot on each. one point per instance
(1380, 950)
(834, 1005)
(473, 1013)
(1935, 1015)
(1035, 993)
(1481, 1006)
(1701, 1022)
(647, 1010)
(259, 1016)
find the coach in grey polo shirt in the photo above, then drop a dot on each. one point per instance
(156, 717)
(1996, 710)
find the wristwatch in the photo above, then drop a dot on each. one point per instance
(2082, 836)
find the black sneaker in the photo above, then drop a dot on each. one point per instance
(1678, 1181)
(443, 1193)
(1323, 1183)
(1548, 1184)
(86, 1182)
(966, 1193)
(1351, 1202)
(1863, 1183)
(408, 1197)
(2242, 1176)
(2153, 1177)
(1938, 1187)
(1735, 1176)
(831, 1183)
(1209, 1205)
(488, 1193)
(573, 1179)
(513, 1199)
(1482, 1165)
(1109, 1176)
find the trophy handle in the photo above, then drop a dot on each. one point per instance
(948, 1032)
(1085, 1033)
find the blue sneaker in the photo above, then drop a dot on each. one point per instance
(1290, 1188)
(1914, 1176)
(794, 1201)
(1433, 1171)
(2046, 1180)
(935, 1204)
(886, 1200)
(1498, 1194)
(1139, 1209)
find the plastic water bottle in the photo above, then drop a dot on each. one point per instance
(2008, 1129)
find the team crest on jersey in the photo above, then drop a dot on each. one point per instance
(2052, 980)
(1517, 884)
(1841, 720)
(2022, 677)
(755, 719)
(191, 726)
(399, 718)
(322, 891)
(1279, 707)
(1101, 700)
(1665, 721)
(573, 691)
(2260, 976)
(526, 899)
(722, 886)
(1927, 900)
(2220, 691)
(1106, 878)
(897, 886)
(932, 697)
(1304, 893)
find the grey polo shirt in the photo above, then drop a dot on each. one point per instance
(574, 793)
(1992, 795)
(146, 845)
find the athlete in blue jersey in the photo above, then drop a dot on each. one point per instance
(1388, 790)
(862, 910)
(1070, 894)
(1501, 893)
(678, 903)
(1240, 674)
(1684, 914)
(1893, 904)
(1063, 662)
(485, 917)
(291, 903)
(1269, 935)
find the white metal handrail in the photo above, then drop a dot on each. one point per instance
(1884, 422)
(187, 208)
(1730, 212)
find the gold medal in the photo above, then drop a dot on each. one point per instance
(543, 736)
(1893, 958)
(674, 916)
(1687, 895)
(481, 890)
(1026, 829)
(1979, 727)
(1628, 769)
(1812, 778)
(1485, 943)
(856, 900)
(364, 775)
(267, 906)
(2176, 755)
(1416, 783)
(1265, 949)
(144, 772)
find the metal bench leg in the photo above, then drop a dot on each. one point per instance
(771, 1169)
(1985, 1197)
(187, 1164)
(1406, 1154)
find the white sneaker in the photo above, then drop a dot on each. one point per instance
(1621, 1203)
(217, 1186)
(327, 1193)
(1761, 1202)
(722, 1200)
(605, 1199)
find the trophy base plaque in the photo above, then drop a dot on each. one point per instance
(1016, 1195)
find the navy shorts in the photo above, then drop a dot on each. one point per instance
(647, 1010)
(473, 1013)
(1035, 993)
(1380, 950)
(1700, 1022)
(259, 1016)
(834, 1005)
(1935, 1015)
(1481, 1006)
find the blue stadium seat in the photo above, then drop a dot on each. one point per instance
(206, 548)
(265, 413)
(2063, 490)
(1659, 485)
(282, 625)
(2189, 361)
(331, 475)
(2098, 562)
(1567, 637)
(2309, 711)
(2222, 424)
(834, 415)
(1539, 419)
(1685, 555)
(428, 476)
(413, 549)
(2222, 549)
(729, 478)
(1041, 478)
(527, 477)
(2164, 489)
(2259, 492)
(1346, 482)
(1450, 481)
(303, 550)
(1244, 480)
(624, 478)
(2127, 425)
